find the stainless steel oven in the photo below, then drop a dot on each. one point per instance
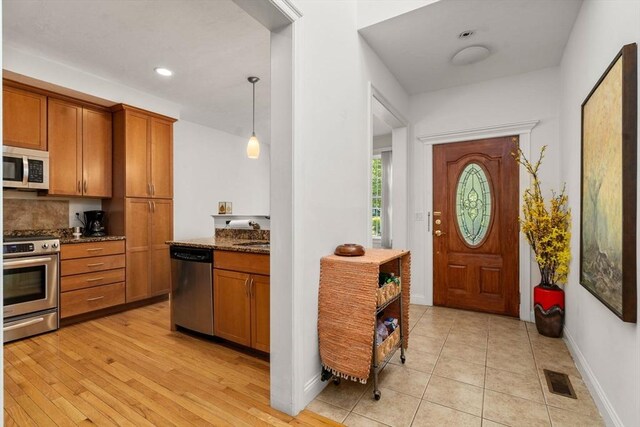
(30, 286)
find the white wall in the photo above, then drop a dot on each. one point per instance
(524, 97)
(607, 349)
(381, 143)
(211, 166)
(331, 157)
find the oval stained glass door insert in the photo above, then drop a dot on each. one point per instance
(473, 204)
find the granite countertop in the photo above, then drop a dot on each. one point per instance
(223, 244)
(83, 239)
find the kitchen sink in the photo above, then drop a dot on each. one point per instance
(261, 245)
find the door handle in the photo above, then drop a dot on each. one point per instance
(246, 286)
(95, 299)
(96, 264)
(153, 189)
(148, 188)
(439, 233)
(79, 188)
(149, 203)
(84, 185)
(27, 262)
(154, 206)
(25, 169)
(97, 279)
(95, 249)
(23, 324)
(251, 288)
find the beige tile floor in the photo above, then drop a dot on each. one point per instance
(465, 369)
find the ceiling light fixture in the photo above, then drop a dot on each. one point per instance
(470, 55)
(253, 146)
(163, 71)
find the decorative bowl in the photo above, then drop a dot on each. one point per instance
(349, 249)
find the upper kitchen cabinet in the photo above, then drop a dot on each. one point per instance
(24, 118)
(143, 153)
(80, 146)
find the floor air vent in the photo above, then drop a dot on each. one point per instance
(559, 383)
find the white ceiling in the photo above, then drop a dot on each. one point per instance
(522, 35)
(211, 46)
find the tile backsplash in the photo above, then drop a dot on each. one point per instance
(28, 214)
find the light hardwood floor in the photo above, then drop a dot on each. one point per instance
(130, 369)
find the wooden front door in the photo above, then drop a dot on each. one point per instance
(475, 223)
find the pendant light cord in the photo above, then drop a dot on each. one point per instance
(254, 109)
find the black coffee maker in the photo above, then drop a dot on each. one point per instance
(94, 223)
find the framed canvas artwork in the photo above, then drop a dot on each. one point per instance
(608, 187)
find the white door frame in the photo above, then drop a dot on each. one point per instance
(521, 129)
(281, 18)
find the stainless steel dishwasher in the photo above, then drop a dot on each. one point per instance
(192, 278)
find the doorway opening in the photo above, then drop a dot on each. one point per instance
(387, 175)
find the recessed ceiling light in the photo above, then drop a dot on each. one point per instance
(163, 71)
(470, 55)
(465, 34)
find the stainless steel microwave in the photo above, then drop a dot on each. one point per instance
(25, 169)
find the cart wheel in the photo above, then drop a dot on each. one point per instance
(336, 380)
(377, 394)
(403, 358)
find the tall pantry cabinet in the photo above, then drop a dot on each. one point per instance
(142, 204)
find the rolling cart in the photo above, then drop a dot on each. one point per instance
(350, 302)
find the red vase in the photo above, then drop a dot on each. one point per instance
(549, 310)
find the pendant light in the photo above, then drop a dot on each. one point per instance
(253, 147)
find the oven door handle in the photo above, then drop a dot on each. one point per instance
(23, 324)
(26, 262)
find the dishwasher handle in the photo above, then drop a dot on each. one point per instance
(192, 254)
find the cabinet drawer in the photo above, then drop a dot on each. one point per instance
(88, 280)
(91, 299)
(241, 261)
(89, 265)
(84, 250)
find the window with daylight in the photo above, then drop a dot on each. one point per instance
(473, 204)
(376, 196)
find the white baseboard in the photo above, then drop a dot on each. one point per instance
(419, 299)
(313, 387)
(607, 411)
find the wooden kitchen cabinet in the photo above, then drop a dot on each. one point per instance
(92, 277)
(80, 146)
(147, 147)
(260, 320)
(24, 118)
(232, 306)
(148, 224)
(142, 207)
(241, 298)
